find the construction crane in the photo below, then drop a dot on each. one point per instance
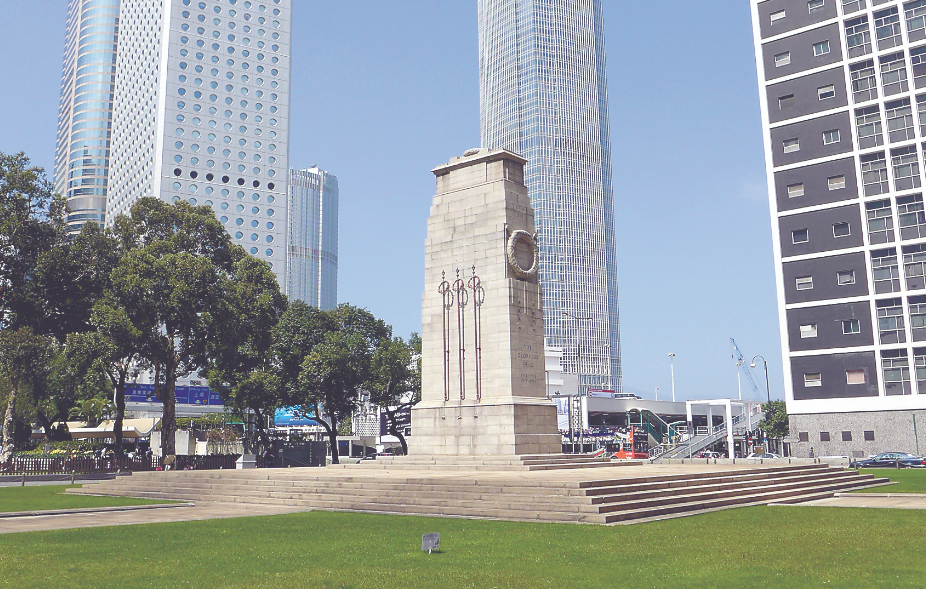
(743, 367)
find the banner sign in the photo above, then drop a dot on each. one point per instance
(286, 417)
(185, 395)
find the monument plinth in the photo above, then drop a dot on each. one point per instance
(483, 381)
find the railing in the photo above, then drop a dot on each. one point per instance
(88, 464)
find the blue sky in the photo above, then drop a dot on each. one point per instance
(385, 91)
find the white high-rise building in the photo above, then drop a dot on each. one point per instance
(201, 114)
(312, 241)
(85, 113)
(544, 95)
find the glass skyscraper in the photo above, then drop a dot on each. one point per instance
(312, 241)
(543, 94)
(88, 76)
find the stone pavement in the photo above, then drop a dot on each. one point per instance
(876, 500)
(90, 519)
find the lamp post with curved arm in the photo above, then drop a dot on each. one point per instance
(765, 364)
(579, 374)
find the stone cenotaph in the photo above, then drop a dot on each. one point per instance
(483, 383)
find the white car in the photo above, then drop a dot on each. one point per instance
(767, 456)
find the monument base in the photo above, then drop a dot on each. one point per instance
(505, 428)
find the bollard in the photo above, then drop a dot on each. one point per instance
(715, 461)
(789, 460)
(24, 481)
(73, 476)
(761, 461)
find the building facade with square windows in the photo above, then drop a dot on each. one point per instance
(842, 86)
(312, 239)
(82, 150)
(201, 114)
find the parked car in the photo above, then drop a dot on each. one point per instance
(766, 456)
(709, 454)
(892, 459)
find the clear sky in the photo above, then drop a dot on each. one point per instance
(385, 91)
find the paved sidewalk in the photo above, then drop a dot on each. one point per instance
(202, 510)
(875, 500)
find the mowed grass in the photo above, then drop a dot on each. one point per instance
(909, 480)
(794, 547)
(39, 497)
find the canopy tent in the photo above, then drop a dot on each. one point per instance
(131, 428)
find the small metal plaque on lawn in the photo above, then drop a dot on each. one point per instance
(430, 542)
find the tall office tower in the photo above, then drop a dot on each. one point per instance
(312, 241)
(544, 94)
(843, 100)
(201, 113)
(85, 112)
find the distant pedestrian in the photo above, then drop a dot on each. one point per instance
(811, 451)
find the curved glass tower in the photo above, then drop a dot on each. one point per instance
(312, 241)
(543, 94)
(85, 113)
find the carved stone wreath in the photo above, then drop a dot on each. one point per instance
(531, 240)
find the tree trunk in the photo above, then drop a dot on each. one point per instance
(395, 431)
(46, 423)
(332, 438)
(120, 414)
(6, 446)
(169, 417)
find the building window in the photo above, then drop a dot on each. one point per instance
(795, 190)
(791, 145)
(803, 437)
(858, 37)
(893, 73)
(891, 321)
(918, 62)
(874, 173)
(915, 13)
(887, 28)
(911, 216)
(906, 168)
(813, 379)
(824, 92)
(917, 307)
(800, 236)
(921, 112)
(914, 263)
(864, 86)
(804, 283)
(783, 59)
(919, 366)
(849, 6)
(846, 436)
(777, 16)
(869, 436)
(899, 120)
(850, 326)
(855, 377)
(824, 436)
(841, 230)
(785, 101)
(821, 48)
(808, 331)
(815, 6)
(880, 221)
(836, 182)
(868, 125)
(896, 371)
(845, 277)
(885, 272)
(831, 136)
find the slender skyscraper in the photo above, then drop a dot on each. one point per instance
(85, 112)
(543, 91)
(312, 241)
(201, 113)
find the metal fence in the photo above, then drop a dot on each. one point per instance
(89, 464)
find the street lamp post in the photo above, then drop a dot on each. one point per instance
(579, 374)
(672, 370)
(657, 393)
(765, 364)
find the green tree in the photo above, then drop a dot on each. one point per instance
(395, 383)
(241, 361)
(775, 423)
(31, 223)
(169, 282)
(23, 354)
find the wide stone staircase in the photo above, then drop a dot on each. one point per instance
(487, 463)
(500, 495)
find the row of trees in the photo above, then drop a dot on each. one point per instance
(165, 290)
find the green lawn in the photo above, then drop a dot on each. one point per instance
(38, 497)
(910, 480)
(792, 547)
